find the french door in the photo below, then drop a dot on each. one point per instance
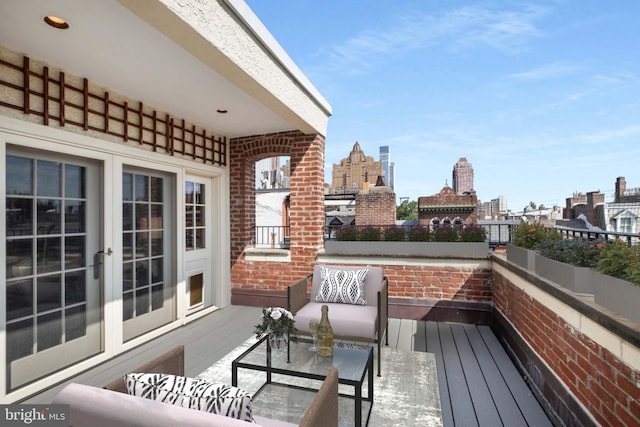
(147, 255)
(53, 287)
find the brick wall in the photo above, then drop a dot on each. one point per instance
(376, 207)
(607, 387)
(439, 282)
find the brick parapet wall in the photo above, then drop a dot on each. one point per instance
(605, 385)
(468, 282)
(442, 282)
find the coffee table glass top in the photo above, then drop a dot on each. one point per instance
(350, 359)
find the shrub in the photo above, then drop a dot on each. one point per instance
(347, 233)
(445, 233)
(473, 233)
(620, 260)
(369, 234)
(529, 236)
(575, 252)
(419, 233)
(394, 234)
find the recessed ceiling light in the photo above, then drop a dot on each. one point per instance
(56, 22)
(222, 110)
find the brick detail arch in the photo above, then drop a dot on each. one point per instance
(306, 153)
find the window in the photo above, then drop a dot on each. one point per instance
(625, 225)
(195, 214)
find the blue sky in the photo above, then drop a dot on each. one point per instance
(541, 97)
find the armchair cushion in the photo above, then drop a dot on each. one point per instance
(342, 286)
(192, 393)
(347, 321)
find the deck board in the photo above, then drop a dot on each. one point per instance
(485, 408)
(498, 389)
(529, 406)
(459, 392)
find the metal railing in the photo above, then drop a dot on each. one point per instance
(271, 236)
(498, 234)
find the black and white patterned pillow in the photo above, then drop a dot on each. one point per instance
(342, 286)
(192, 393)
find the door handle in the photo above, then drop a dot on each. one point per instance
(97, 262)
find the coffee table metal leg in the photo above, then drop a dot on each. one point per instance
(358, 399)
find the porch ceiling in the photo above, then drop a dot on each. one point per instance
(188, 58)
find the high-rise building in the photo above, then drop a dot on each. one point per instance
(462, 176)
(392, 175)
(356, 172)
(385, 160)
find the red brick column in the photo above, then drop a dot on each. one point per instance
(306, 207)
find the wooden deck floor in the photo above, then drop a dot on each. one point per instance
(479, 385)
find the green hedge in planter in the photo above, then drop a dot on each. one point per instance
(616, 259)
(620, 260)
(418, 233)
(530, 235)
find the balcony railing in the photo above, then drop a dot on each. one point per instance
(499, 233)
(271, 236)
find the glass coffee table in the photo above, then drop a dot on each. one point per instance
(354, 363)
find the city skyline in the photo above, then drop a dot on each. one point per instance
(542, 98)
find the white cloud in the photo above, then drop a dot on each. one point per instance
(550, 71)
(464, 28)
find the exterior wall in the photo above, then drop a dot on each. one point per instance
(306, 208)
(376, 207)
(448, 204)
(601, 370)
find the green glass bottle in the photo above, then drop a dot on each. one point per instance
(325, 334)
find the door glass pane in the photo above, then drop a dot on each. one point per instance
(141, 192)
(156, 189)
(19, 258)
(74, 252)
(49, 256)
(19, 299)
(74, 181)
(75, 323)
(127, 187)
(19, 216)
(19, 176)
(49, 291)
(19, 339)
(49, 330)
(75, 288)
(74, 217)
(49, 178)
(49, 216)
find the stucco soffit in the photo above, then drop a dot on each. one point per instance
(216, 34)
